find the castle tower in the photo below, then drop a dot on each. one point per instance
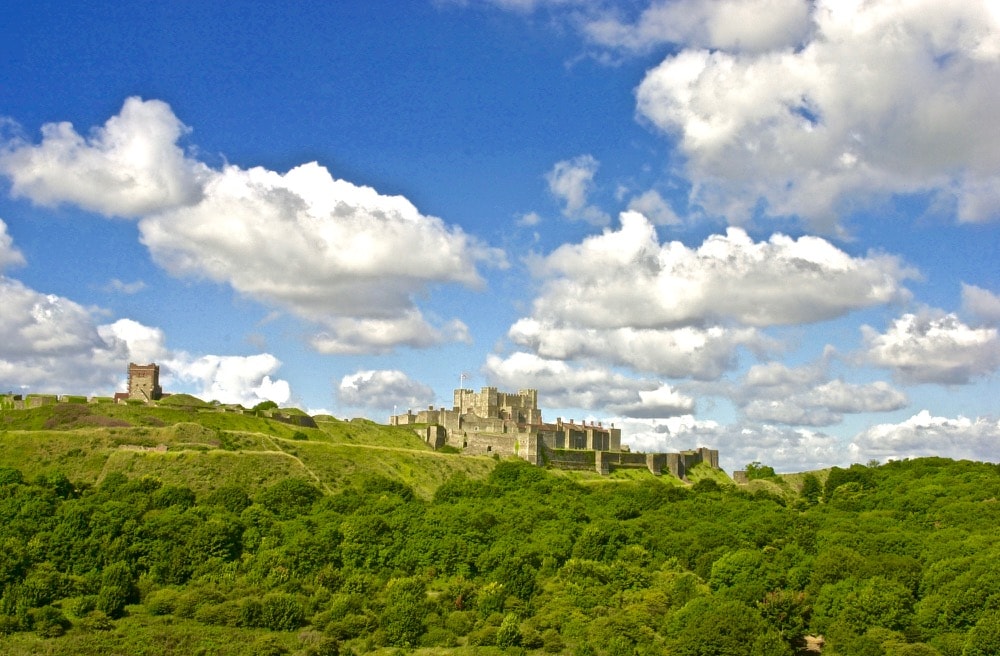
(144, 381)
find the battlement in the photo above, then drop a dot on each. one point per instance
(144, 382)
(491, 422)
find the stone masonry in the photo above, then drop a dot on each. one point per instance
(490, 422)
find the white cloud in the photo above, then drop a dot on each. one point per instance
(129, 167)
(382, 390)
(9, 255)
(572, 181)
(981, 304)
(529, 219)
(804, 396)
(51, 344)
(341, 256)
(43, 325)
(825, 404)
(927, 435)
(934, 348)
(626, 277)
(882, 98)
(785, 449)
(358, 336)
(143, 344)
(739, 25)
(653, 206)
(702, 353)
(121, 287)
(245, 380)
(562, 385)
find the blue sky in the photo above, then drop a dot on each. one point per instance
(768, 227)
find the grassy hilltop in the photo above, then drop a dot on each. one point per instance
(186, 528)
(185, 441)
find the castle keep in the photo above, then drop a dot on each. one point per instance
(492, 422)
(144, 382)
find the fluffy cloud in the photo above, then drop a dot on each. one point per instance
(382, 390)
(245, 380)
(9, 255)
(926, 435)
(934, 348)
(785, 449)
(804, 396)
(702, 353)
(571, 181)
(121, 287)
(51, 344)
(653, 206)
(564, 386)
(880, 98)
(339, 255)
(826, 404)
(738, 25)
(624, 298)
(626, 277)
(129, 167)
(982, 304)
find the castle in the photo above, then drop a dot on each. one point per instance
(144, 382)
(491, 422)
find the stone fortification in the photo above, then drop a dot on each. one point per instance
(490, 422)
(144, 382)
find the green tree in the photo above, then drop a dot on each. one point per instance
(755, 470)
(811, 488)
(984, 638)
(509, 633)
(289, 497)
(402, 619)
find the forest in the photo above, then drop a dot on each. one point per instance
(894, 559)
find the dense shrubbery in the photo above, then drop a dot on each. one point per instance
(890, 560)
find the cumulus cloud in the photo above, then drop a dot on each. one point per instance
(562, 385)
(245, 380)
(880, 98)
(51, 344)
(625, 299)
(738, 25)
(9, 255)
(382, 390)
(805, 396)
(826, 404)
(571, 181)
(927, 435)
(129, 167)
(981, 304)
(625, 277)
(785, 449)
(933, 347)
(121, 287)
(347, 259)
(653, 206)
(702, 353)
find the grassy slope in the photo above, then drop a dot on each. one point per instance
(205, 449)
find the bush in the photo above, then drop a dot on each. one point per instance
(281, 612)
(97, 621)
(49, 621)
(162, 602)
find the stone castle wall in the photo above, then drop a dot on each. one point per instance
(491, 422)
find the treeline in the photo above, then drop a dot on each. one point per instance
(901, 559)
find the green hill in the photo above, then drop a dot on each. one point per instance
(186, 528)
(184, 441)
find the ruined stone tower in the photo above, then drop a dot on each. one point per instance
(144, 381)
